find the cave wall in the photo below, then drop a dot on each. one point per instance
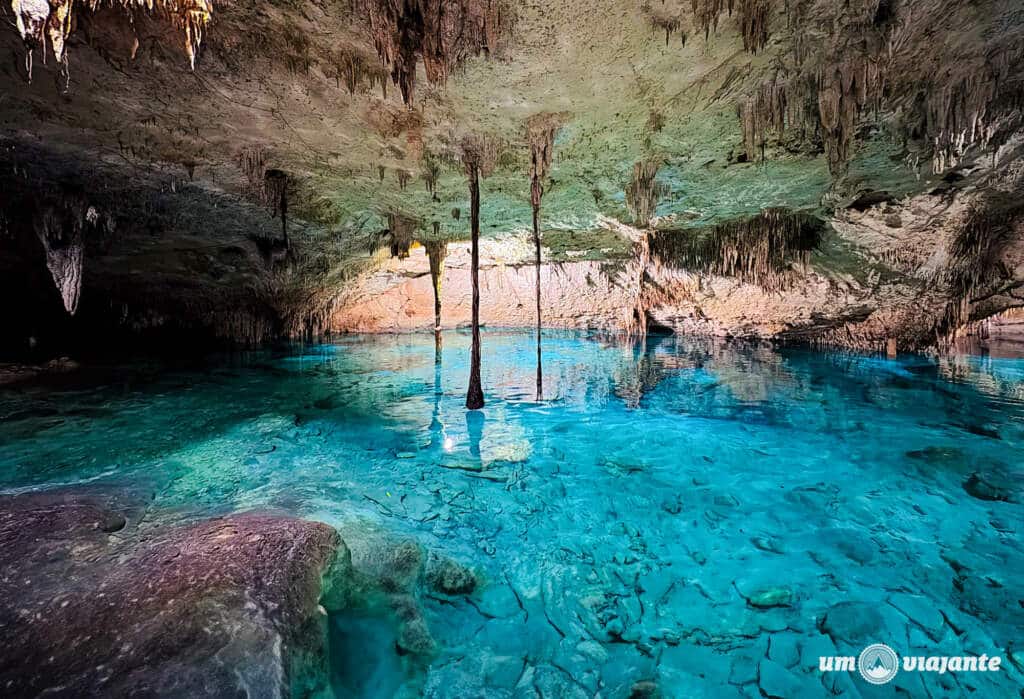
(153, 270)
(236, 189)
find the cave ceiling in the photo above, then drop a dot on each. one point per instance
(877, 96)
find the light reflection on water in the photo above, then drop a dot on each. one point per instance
(635, 509)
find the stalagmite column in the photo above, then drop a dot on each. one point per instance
(479, 156)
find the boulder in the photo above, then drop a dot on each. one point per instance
(215, 608)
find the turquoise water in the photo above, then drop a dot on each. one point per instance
(707, 517)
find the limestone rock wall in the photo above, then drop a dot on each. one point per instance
(399, 297)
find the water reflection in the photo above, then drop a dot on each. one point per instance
(723, 463)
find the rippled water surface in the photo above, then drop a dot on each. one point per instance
(711, 518)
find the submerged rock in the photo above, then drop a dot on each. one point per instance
(852, 622)
(215, 608)
(776, 681)
(645, 689)
(765, 596)
(448, 577)
(991, 486)
(921, 611)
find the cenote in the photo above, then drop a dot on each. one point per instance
(687, 516)
(493, 349)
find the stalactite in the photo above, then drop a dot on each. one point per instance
(962, 113)
(707, 12)
(480, 152)
(757, 250)
(440, 33)
(275, 195)
(975, 265)
(644, 192)
(635, 325)
(779, 106)
(845, 86)
(875, 61)
(655, 121)
(357, 70)
(298, 54)
(37, 20)
(243, 315)
(59, 226)
(437, 251)
(269, 186)
(252, 161)
(661, 19)
(431, 172)
(754, 19)
(642, 196)
(400, 235)
(541, 130)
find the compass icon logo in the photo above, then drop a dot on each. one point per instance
(878, 663)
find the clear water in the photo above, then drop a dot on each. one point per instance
(628, 526)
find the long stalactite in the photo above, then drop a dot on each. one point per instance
(59, 226)
(644, 192)
(437, 251)
(541, 130)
